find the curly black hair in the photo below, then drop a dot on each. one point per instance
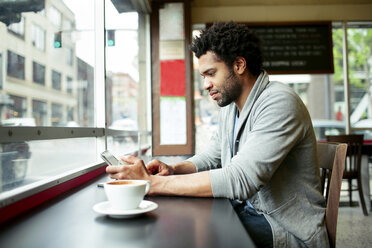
(228, 41)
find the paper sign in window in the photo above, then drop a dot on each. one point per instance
(172, 77)
(171, 49)
(173, 121)
(171, 22)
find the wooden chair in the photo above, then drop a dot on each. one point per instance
(331, 159)
(352, 169)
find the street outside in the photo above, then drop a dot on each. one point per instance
(51, 158)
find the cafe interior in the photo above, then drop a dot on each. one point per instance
(79, 77)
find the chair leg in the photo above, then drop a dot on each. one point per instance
(361, 196)
(350, 192)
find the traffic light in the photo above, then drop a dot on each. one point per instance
(111, 37)
(58, 39)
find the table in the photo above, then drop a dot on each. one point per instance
(69, 221)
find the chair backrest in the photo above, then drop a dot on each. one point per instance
(331, 159)
(354, 152)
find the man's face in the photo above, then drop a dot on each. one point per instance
(222, 83)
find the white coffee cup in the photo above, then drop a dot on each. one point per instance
(126, 194)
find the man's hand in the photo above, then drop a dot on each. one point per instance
(135, 170)
(156, 167)
(192, 184)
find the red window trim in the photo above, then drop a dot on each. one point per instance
(10, 211)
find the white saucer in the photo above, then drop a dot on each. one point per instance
(105, 208)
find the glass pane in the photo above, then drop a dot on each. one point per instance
(48, 58)
(55, 16)
(122, 144)
(360, 77)
(323, 94)
(39, 110)
(206, 110)
(57, 114)
(56, 80)
(122, 71)
(38, 72)
(23, 163)
(38, 37)
(19, 109)
(16, 65)
(126, 87)
(69, 85)
(324, 99)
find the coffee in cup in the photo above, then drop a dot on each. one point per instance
(126, 194)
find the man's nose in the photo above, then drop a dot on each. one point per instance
(207, 84)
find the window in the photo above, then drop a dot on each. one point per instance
(55, 17)
(79, 102)
(18, 28)
(39, 112)
(124, 82)
(70, 114)
(1, 72)
(359, 37)
(69, 56)
(67, 25)
(38, 37)
(323, 94)
(16, 65)
(19, 109)
(69, 85)
(38, 73)
(57, 117)
(56, 80)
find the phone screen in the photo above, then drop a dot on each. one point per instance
(110, 158)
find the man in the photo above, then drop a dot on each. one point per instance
(263, 155)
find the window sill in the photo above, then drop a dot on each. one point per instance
(21, 199)
(24, 198)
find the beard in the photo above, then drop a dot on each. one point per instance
(231, 90)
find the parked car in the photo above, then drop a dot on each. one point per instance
(14, 156)
(364, 123)
(127, 125)
(124, 124)
(28, 122)
(322, 128)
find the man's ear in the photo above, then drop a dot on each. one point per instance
(240, 65)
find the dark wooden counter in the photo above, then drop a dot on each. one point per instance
(69, 221)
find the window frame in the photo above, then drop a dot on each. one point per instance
(35, 76)
(56, 84)
(69, 83)
(23, 74)
(21, 109)
(55, 16)
(42, 112)
(38, 37)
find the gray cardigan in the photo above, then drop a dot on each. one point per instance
(274, 163)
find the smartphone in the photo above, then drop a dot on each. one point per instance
(110, 159)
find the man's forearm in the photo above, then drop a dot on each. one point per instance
(195, 184)
(184, 167)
